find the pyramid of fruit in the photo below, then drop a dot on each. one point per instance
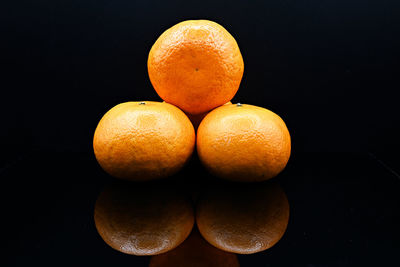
(196, 68)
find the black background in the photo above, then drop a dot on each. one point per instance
(330, 69)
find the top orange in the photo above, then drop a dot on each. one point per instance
(196, 65)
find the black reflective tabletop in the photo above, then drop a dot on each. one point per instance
(344, 211)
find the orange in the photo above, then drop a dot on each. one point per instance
(143, 140)
(196, 65)
(197, 118)
(243, 143)
(143, 218)
(195, 252)
(243, 218)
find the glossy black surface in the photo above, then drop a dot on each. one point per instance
(344, 211)
(330, 69)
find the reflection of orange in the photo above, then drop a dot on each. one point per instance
(143, 218)
(196, 65)
(143, 140)
(196, 119)
(195, 252)
(243, 143)
(243, 218)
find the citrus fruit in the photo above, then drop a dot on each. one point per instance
(143, 140)
(243, 218)
(143, 218)
(195, 252)
(197, 118)
(195, 65)
(243, 143)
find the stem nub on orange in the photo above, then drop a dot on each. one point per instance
(196, 65)
(143, 140)
(197, 118)
(243, 143)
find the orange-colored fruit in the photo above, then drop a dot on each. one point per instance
(197, 118)
(196, 65)
(195, 252)
(143, 218)
(143, 140)
(243, 143)
(243, 218)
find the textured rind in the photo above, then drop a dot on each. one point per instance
(196, 65)
(243, 218)
(143, 219)
(195, 252)
(196, 119)
(243, 143)
(137, 141)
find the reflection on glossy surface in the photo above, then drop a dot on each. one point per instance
(143, 218)
(195, 252)
(243, 218)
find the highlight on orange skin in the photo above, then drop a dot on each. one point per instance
(243, 218)
(143, 140)
(196, 119)
(196, 65)
(143, 218)
(195, 252)
(243, 143)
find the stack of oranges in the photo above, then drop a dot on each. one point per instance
(196, 68)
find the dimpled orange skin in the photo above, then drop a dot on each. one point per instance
(196, 119)
(136, 141)
(143, 218)
(243, 143)
(243, 218)
(196, 65)
(195, 252)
